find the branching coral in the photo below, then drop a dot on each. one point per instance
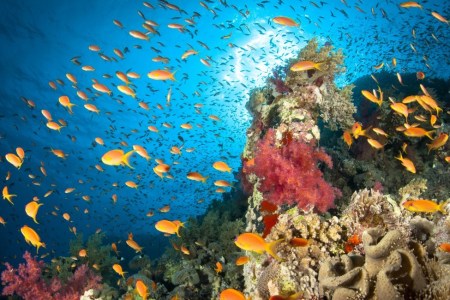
(289, 174)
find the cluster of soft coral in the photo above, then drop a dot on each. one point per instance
(27, 282)
(278, 81)
(289, 174)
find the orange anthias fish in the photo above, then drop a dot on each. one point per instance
(375, 144)
(425, 206)
(438, 142)
(418, 132)
(65, 101)
(400, 108)
(218, 267)
(7, 196)
(118, 269)
(223, 183)
(371, 97)
(347, 137)
(141, 289)
(14, 160)
(409, 4)
(407, 163)
(242, 260)
(285, 21)
(221, 166)
(305, 66)
(253, 242)
(197, 177)
(117, 157)
(31, 237)
(357, 130)
(231, 294)
(440, 17)
(445, 247)
(135, 246)
(82, 253)
(161, 75)
(169, 227)
(31, 209)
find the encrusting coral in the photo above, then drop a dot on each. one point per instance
(298, 269)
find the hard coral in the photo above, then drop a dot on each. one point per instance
(388, 271)
(290, 174)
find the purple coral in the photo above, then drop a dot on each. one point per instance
(27, 282)
(277, 80)
(289, 174)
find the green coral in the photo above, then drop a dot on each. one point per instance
(210, 239)
(98, 254)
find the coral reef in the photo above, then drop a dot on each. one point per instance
(368, 246)
(299, 267)
(98, 254)
(209, 240)
(28, 282)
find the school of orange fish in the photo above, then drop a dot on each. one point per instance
(421, 113)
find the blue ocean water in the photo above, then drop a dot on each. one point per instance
(42, 41)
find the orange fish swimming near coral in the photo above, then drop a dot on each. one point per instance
(253, 242)
(306, 66)
(407, 163)
(31, 237)
(425, 206)
(232, 294)
(169, 227)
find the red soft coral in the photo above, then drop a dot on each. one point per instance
(27, 282)
(289, 174)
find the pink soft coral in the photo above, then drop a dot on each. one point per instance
(27, 282)
(289, 174)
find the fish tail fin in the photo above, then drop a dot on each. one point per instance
(271, 249)
(204, 179)
(400, 156)
(126, 158)
(428, 134)
(442, 207)
(34, 219)
(172, 76)
(38, 246)
(429, 146)
(318, 66)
